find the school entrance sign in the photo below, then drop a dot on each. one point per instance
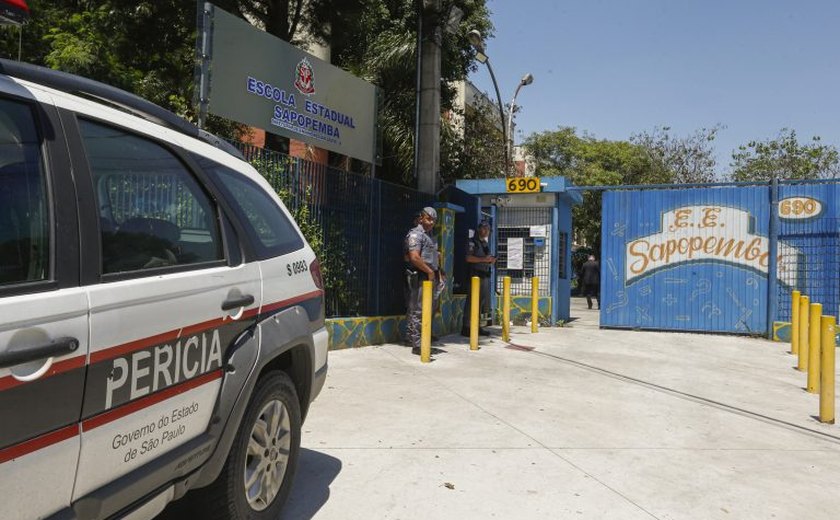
(705, 233)
(254, 78)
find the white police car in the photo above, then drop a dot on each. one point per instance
(161, 315)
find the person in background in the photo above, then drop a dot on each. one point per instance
(590, 278)
(479, 263)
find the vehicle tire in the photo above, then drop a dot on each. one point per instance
(258, 474)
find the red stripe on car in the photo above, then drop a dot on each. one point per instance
(38, 443)
(135, 406)
(65, 365)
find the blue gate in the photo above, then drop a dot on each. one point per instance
(698, 259)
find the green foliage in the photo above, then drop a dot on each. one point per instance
(377, 40)
(785, 158)
(330, 246)
(588, 161)
(327, 239)
(144, 47)
(476, 153)
(673, 159)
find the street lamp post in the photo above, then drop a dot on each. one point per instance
(478, 43)
(527, 79)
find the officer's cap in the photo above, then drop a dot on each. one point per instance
(430, 212)
(484, 223)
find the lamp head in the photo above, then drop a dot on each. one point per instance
(476, 40)
(527, 79)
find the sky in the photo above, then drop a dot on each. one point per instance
(613, 68)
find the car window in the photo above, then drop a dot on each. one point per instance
(152, 212)
(24, 210)
(271, 231)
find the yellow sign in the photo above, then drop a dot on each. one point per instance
(523, 185)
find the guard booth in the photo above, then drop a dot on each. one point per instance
(531, 219)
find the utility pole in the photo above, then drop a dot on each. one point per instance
(428, 138)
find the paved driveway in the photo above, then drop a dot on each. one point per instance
(589, 424)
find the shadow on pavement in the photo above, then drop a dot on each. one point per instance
(310, 491)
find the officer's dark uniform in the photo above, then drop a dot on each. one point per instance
(424, 243)
(480, 249)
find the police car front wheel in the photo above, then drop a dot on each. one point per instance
(269, 447)
(257, 477)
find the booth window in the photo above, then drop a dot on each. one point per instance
(563, 245)
(535, 260)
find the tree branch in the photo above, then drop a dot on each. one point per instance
(295, 19)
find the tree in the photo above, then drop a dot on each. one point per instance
(281, 18)
(377, 40)
(785, 158)
(689, 159)
(588, 161)
(475, 145)
(144, 47)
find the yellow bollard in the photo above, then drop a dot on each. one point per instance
(506, 308)
(794, 323)
(827, 372)
(803, 334)
(535, 303)
(426, 324)
(474, 301)
(814, 347)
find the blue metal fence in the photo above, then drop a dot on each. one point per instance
(362, 222)
(718, 258)
(809, 226)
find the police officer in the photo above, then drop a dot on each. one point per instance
(479, 261)
(422, 263)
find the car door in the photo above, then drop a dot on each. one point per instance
(172, 296)
(43, 311)
(290, 272)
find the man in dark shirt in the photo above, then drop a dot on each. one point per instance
(590, 279)
(479, 260)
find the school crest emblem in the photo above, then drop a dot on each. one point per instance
(305, 78)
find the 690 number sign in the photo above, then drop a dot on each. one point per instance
(523, 185)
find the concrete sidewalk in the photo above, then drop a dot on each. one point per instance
(590, 424)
